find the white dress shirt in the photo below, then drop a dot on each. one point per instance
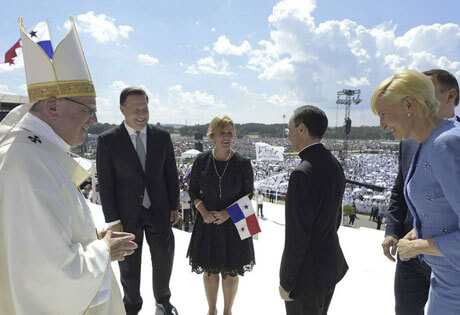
(133, 136)
(184, 199)
(260, 199)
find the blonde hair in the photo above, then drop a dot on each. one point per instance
(218, 124)
(408, 83)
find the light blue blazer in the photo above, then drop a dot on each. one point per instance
(432, 191)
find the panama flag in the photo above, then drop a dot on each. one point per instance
(40, 34)
(187, 173)
(242, 214)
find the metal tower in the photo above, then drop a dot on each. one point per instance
(347, 97)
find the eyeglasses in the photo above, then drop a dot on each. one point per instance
(90, 110)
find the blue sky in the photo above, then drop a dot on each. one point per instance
(252, 59)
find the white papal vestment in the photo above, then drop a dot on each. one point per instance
(51, 261)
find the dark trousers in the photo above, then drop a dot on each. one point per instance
(310, 304)
(259, 208)
(351, 219)
(187, 219)
(412, 284)
(161, 244)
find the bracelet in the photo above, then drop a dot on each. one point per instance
(198, 203)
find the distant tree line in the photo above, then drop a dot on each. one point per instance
(264, 131)
(363, 133)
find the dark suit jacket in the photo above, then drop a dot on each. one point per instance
(313, 261)
(399, 219)
(122, 181)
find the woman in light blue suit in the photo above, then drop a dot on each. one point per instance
(406, 105)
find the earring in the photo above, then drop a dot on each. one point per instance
(409, 114)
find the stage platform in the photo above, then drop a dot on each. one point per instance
(366, 289)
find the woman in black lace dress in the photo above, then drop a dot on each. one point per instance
(219, 178)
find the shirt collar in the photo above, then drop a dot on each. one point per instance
(131, 131)
(309, 146)
(36, 125)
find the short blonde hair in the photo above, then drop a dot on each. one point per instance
(408, 83)
(218, 124)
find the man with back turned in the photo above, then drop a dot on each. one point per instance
(312, 261)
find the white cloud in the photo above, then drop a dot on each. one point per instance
(196, 98)
(196, 105)
(18, 63)
(101, 27)
(208, 65)
(281, 70)
(223, 47)
(439, 39)
(4, 89)
(13, 89)
(312, 61)
(213, 29)
(108, 104)
(285, 99)
(147, 60)
(240, 88)
(23, 89)
(118, 86)
(355, 82)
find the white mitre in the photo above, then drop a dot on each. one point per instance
(66, 75)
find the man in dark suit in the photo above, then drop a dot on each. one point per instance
(313, 261)
(140, 194)
(412, 277)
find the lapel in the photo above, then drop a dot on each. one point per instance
(408, 149)
(150, 147)
(125, 142)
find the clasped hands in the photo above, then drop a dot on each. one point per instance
(120, 243)
(405, 246)
(216, 217)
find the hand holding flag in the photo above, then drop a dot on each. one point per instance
(242, 214)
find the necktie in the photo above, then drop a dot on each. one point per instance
(141, 154)
(140, 149)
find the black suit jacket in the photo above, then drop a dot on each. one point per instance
(122, 181)
(399, 219)
(313, 261)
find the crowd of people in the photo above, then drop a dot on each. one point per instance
(47, 224)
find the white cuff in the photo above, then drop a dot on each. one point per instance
(113, 223)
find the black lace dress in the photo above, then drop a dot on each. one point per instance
(218, 248)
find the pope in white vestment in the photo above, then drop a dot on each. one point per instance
(51, 260)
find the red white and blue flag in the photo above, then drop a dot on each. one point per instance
(242, 214)
(187, 173)
(40, 34)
